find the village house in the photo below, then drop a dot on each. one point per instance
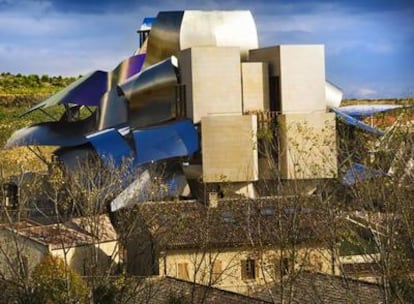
(238, 245)
(88, 245)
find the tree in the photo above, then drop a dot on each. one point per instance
(386, 213)
(54, 283)
(298, 219)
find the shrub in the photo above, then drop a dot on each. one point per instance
(54, 283)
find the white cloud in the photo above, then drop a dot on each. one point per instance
(35, 38)
(332, 25)
(366, 93)
(67, 44)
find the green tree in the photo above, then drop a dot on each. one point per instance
(54, 283)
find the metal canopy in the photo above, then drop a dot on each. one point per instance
(360, 111)
(89, 89)
(357, 123)
(86, 90)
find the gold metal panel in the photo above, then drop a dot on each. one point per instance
(219, 28)
(176, 31)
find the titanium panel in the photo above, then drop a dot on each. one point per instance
(179, 30)
(88, 90)
(72, 158)
(151, 94)
(125, 70)
(360, 111)
(111, 146)
(221, 29)
(54, 133)
(164, 37)
(333, 95)
(357, 123)
(113, 111)
(145, 189)
(177, 139)
(358, 173)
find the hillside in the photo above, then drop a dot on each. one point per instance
(17, 94)
(18, 85)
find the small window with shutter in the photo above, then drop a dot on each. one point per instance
(217, 270)
(248, 269)
(182, 271)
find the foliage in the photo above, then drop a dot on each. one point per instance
(29, 84)
(105, 293)
(176, 298)
(54, 283)
(17, 94)
(349, 247)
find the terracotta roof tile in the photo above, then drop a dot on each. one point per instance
(310, 288)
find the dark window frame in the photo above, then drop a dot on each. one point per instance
(248, 269)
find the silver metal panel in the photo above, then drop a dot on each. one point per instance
(113, 111)
(219, 28)
(176, 31)
(163, 40)
(151, 94)
(74, 158)
(333, 95)
(125, 69)
(53, 133)
(145, 186)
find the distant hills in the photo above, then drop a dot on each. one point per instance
(18, 90)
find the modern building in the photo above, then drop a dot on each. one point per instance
(251, 114)
(236, 100)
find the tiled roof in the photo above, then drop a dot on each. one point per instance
(232, 223)
(166, 289)
(310, 288)
(98, 226)
(76, 232)
(56, 235)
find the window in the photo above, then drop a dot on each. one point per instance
(267, 211)
(182, 271)
(228, 217)
(216, 271)
(180, 105)
(248, 269)
(285, 266)
(281, 266)
(274, 97)
(360, 269)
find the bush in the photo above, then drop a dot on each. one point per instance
(56, 284)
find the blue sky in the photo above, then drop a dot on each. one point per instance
(369, 45)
